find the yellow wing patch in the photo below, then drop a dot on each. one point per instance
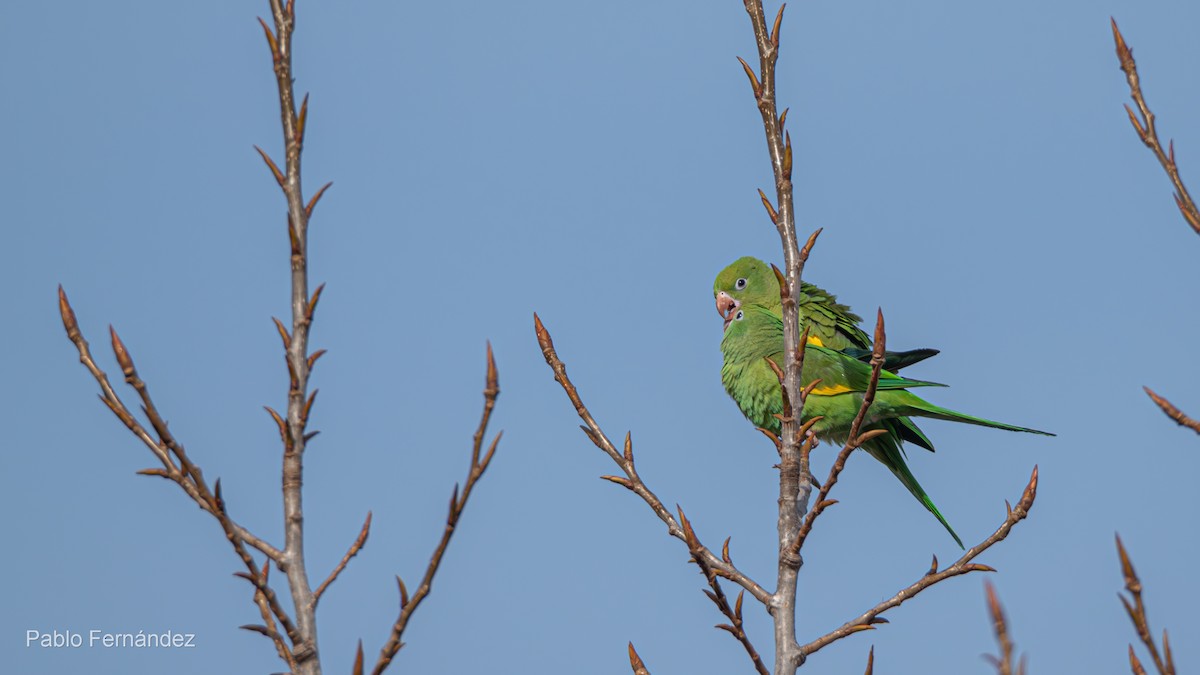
(831, 390)
(814, 340)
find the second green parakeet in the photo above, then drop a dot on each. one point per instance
(754, 333)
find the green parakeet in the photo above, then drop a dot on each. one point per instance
(751, 281)
(755, 333)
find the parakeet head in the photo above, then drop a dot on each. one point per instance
(751, 329)
(746, 281)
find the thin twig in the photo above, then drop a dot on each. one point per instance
(871, 661)
(354, 549)
(264, 609)
(1171, 411)
(632, 480)
(1136, 609)
(1148, 133)
(735, 626)
(1004, 662)
(458, 503)
(187, 476)
(869, 619)
(854, 440)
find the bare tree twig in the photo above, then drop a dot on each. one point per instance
(854, 440)
(868, 619)
(632, 480)
(735, 626)
(265, 609)
(186, 475)
(1004, 662)
(795, 478)
(1148, 133)
(1136, 609)
(1171, 411)
(871, 661)
(354, 549)
(458, 503)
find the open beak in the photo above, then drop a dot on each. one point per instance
(725, 307)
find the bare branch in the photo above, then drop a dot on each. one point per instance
(354, 549)
(1004, 662)
(717, 595)
(964, 565)
(1171, 411)
(795, 477)
(1136, 609)
(299, 361)
(1148, 133)
(871, 661)
(854, 440)
(458, 503)
(186, 475)
(633, 481)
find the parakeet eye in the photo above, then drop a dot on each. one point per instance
(739, 316)
(740, 284)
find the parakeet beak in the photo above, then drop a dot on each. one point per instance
(725, 304)
(725, 307)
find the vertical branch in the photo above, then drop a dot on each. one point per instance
(1163, 661)
(299, 361)
(1004, 662)
(795, 484)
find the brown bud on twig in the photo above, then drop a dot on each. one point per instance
(357, 669)
(301, 119)
(1169, 409)
(123, 358)
(312, 302)
(312, 358)
(312, 203)
(771, 212)
(752, 77)
(776, 27)
(403, 592)
(270, 40)
(784, 291)
(284, 336)
(623, 482)
(68, 316)
(635, 662)
(271, 165)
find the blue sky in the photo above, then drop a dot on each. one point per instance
(597, 163)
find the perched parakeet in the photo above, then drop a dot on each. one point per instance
(755, 333)
(751, 281)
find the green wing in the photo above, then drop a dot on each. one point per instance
(828, 320)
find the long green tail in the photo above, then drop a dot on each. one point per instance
(885, 449)
(913, 405)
